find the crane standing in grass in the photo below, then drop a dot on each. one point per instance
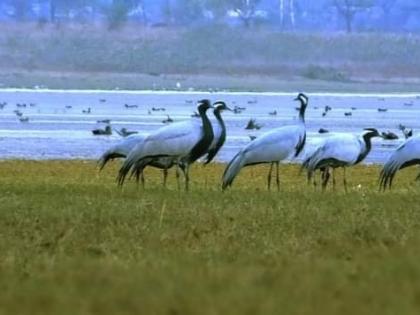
(407, 154)
(185, 142)
(340, 150)
(271, 147)
(122, 149)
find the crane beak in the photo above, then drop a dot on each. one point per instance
(229, 109)
(296, 99)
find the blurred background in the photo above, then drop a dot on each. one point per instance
(216, 44)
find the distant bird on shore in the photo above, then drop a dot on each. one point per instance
(389, 135)
(131, 106)
(382, 110)
(252, 124)
(406, 132)
(158, 109)
(409, 104)
(340, 150)
(273, 113)
(3, 105)
(407, 154)
(18, 113)
(104, 121)
(327, 108)
(103, 132)
(87, 111)
(323, 130)
(123, 132)
(238, 109)
(348, 114)
(20, 105)
(168, 120)
(68, 106)
(270, 147)
(24, 119)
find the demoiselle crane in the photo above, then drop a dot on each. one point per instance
(123, 148)
(184, 142)
(271, 147)
(340, 150)
(407, 154)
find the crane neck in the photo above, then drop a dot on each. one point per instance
(367, 139)
(208, 130)
(219, 118)
(302, 110)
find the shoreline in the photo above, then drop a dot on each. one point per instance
(198, 92)
(39, 80)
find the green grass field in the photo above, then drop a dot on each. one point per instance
(71, 242)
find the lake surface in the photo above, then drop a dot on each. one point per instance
(58, 127)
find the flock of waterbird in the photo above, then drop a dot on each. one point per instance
(180, 144)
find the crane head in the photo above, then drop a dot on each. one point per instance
(302, 98)
(372, 132)
(221, 106)
(203, 105)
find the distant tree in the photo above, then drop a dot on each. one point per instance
(386, 6)
(246, 10)
(21, 8)
(349, 8)
(218, 8)
(287, 12)
(117, 13)
(183, 12)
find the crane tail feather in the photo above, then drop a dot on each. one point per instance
(232, 169)
(125, 169)
(388, 172)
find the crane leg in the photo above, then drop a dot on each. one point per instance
(325, 178)
(187, 177)
(139, 177)
(333, 176)
(344, 179)
(418, 177)
(269, 176)
(312, 177)
(277, 176)
(165, 177)
(177, 177)
(142, 179)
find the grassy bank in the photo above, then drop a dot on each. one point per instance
(220, 58)
(71, 242)
(203, 82)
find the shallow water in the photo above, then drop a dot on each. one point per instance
(55, 131)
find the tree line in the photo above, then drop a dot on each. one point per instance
(305, 15)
